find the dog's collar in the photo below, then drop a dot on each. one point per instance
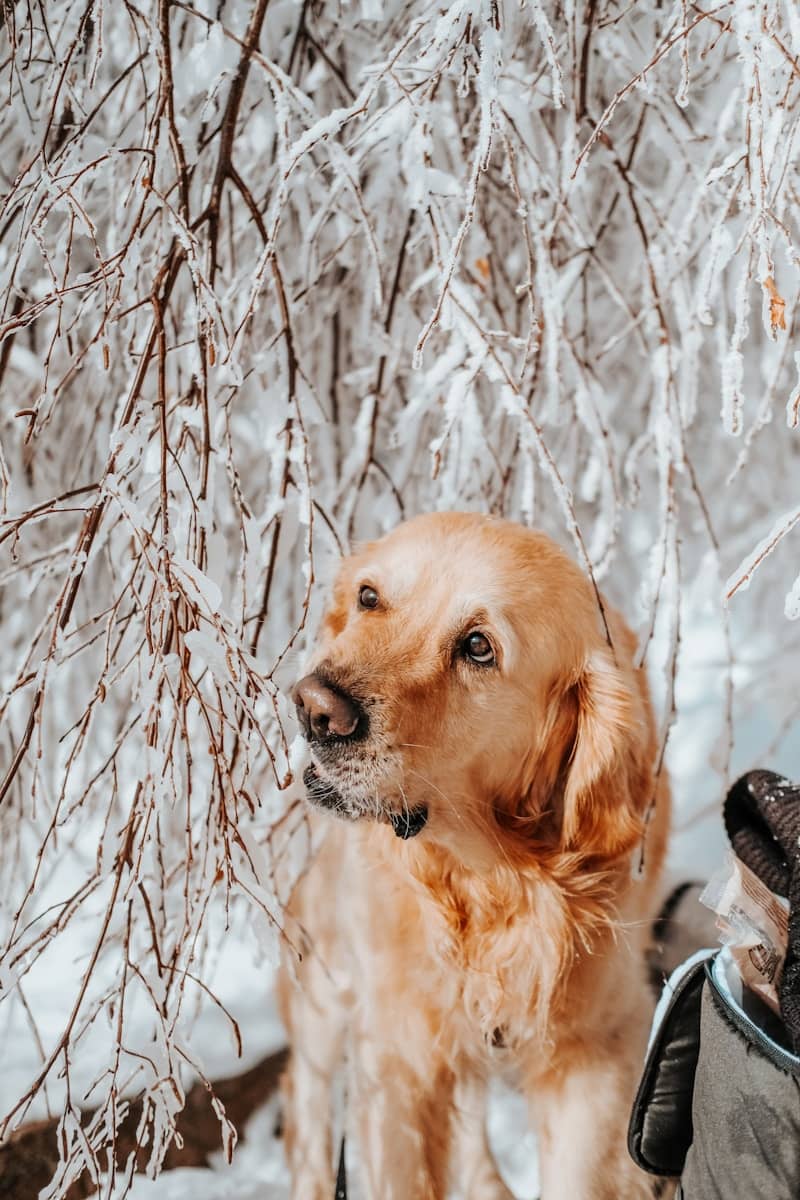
(409, 823)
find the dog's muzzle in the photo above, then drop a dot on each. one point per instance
(331, 719)
(327, 713)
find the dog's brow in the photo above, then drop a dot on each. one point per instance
(471, 615)
(397, 582)
(375, 578)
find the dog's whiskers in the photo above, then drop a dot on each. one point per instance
(429, 783)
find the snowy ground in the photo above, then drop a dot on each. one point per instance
(242, 978)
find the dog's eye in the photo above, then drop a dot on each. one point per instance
(368, 597)
(478, 649)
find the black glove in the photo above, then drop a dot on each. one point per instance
(762, 817)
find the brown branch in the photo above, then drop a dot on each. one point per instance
(31, 1155)
(377, 389)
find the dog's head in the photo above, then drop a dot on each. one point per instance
(463, 684)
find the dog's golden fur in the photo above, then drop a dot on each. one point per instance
(509, 935)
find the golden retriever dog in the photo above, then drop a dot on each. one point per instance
(477, 724)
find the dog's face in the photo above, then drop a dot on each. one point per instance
(456, 684)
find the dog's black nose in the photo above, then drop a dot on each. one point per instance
(325, 712)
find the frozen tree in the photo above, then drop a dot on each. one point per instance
(275, 275)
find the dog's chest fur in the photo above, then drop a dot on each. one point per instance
(492, 957)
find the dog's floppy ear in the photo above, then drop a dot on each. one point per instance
(606, 773)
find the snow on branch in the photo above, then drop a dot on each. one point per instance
(743, 575)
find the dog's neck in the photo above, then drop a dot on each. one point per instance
(482, 885)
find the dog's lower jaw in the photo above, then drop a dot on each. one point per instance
(324, 794)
